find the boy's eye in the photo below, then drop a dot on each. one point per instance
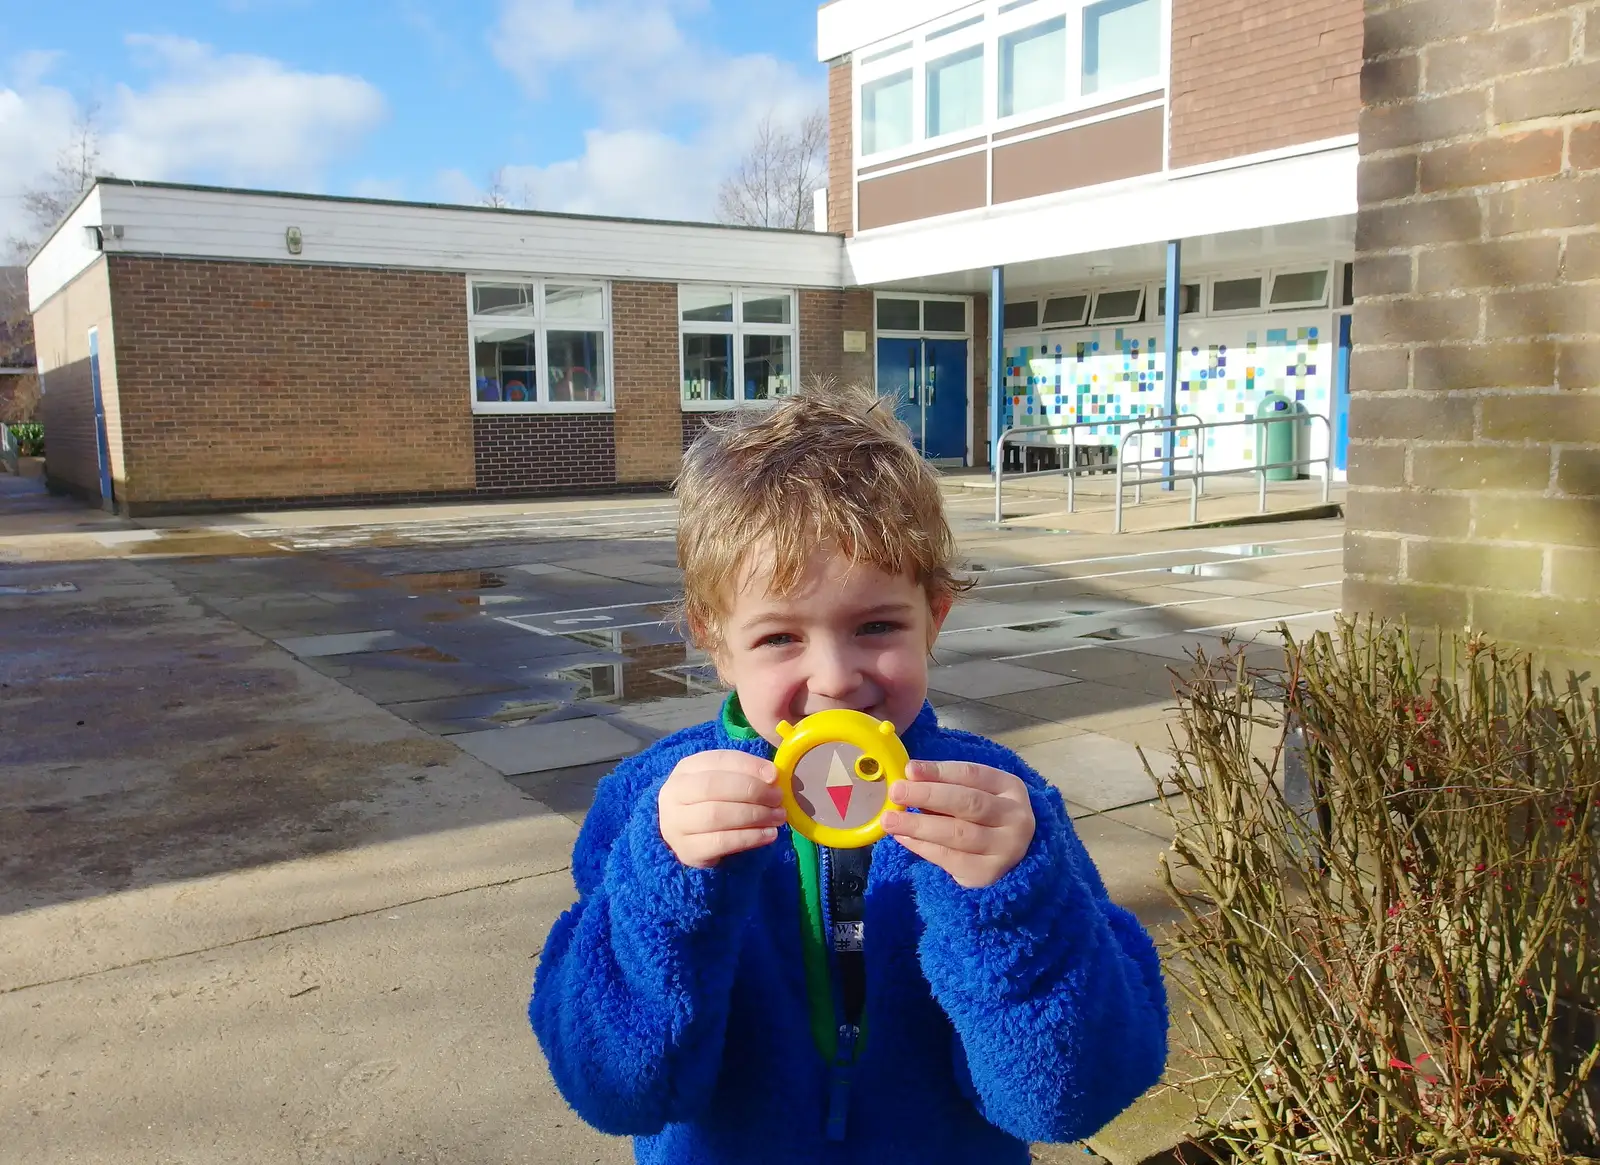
(879, 627)
(776, 639)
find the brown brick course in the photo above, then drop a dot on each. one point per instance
(1306, 68)
(243, 380)
(1497, 365)
(841, 148)
(825, 316)
(1486, 56)
(1510, 263)
(646, 380)
(1491, 160)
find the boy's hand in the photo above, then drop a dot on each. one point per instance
(719, 803)
(976, 822)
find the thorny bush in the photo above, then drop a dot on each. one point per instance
(1402, 967)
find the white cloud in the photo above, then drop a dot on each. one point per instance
(203, 116)
(236, 118)
(390, 188)
(647, 76)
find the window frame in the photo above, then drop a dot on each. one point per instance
(985, 23)
(738, 329)
(1265, 278)
(541, 325)
(1050, 297)
(1112, 321)
(1299, 305)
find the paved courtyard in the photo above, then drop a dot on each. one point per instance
(287, 799)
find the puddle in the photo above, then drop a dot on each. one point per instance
(38, 588)
(210, 544)
(1198, 570)
(424, 653)
(1252, 551)
(1109, 635)
(450, 581)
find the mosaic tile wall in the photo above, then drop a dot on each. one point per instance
(1228, 367)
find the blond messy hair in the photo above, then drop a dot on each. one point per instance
(829, 466)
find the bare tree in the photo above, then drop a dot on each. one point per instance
(498, 194)
(773, 184)
(47, 200)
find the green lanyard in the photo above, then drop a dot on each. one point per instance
(813, 942)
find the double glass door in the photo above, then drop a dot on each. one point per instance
(928, 382)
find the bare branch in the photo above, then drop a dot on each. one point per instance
(772, 185)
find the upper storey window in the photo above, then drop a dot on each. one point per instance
(1033, 67)
(1011, 62)
(1121, 44)
(886, 113)
(955, 92)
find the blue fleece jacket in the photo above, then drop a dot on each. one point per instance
(672, 1002)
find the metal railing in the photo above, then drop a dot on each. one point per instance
(1201, 473)
(1073, 470)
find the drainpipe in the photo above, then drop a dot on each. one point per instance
(997, 361)
(1174, 303)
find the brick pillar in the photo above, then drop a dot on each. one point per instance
(841, 148)
(1475, 402)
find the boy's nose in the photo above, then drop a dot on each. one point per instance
(834, 673)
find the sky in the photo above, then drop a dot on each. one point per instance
(634, 107)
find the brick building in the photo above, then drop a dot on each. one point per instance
(1009, 186)
(1475, 419)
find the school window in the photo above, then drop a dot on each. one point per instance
(539, 345)
(1033, 67)
(1121, 44)
(1013, 61)
(955, 92)
(738, 345)
(886, 113)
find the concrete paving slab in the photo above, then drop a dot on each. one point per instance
(537, 748)
(670, 715)
(392, 681)
(1095, 771)
(1082, 700)
(977, 679)
(318, 646)
(985, 719)
(394, 1035)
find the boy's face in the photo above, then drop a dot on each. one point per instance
(849, 637)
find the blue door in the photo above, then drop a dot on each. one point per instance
(928, 381)
(944, 364)
(1341, 397)
(102, 444)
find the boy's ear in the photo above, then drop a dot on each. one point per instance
(699, 634)
(939, 608)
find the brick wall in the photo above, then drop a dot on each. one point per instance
(61, 333)
(645, 335)
(1475, 404)
(272, 381)
(841, 148)
(825, 316)
(526, 453)
(1254, 75)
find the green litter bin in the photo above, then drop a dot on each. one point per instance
(1275, 443)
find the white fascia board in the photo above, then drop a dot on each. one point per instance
(847, 25)
(1301, 188)
(68, 253)
(249, 226)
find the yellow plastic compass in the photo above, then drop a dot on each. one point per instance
(834, 770)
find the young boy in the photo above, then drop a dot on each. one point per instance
(724, 990)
